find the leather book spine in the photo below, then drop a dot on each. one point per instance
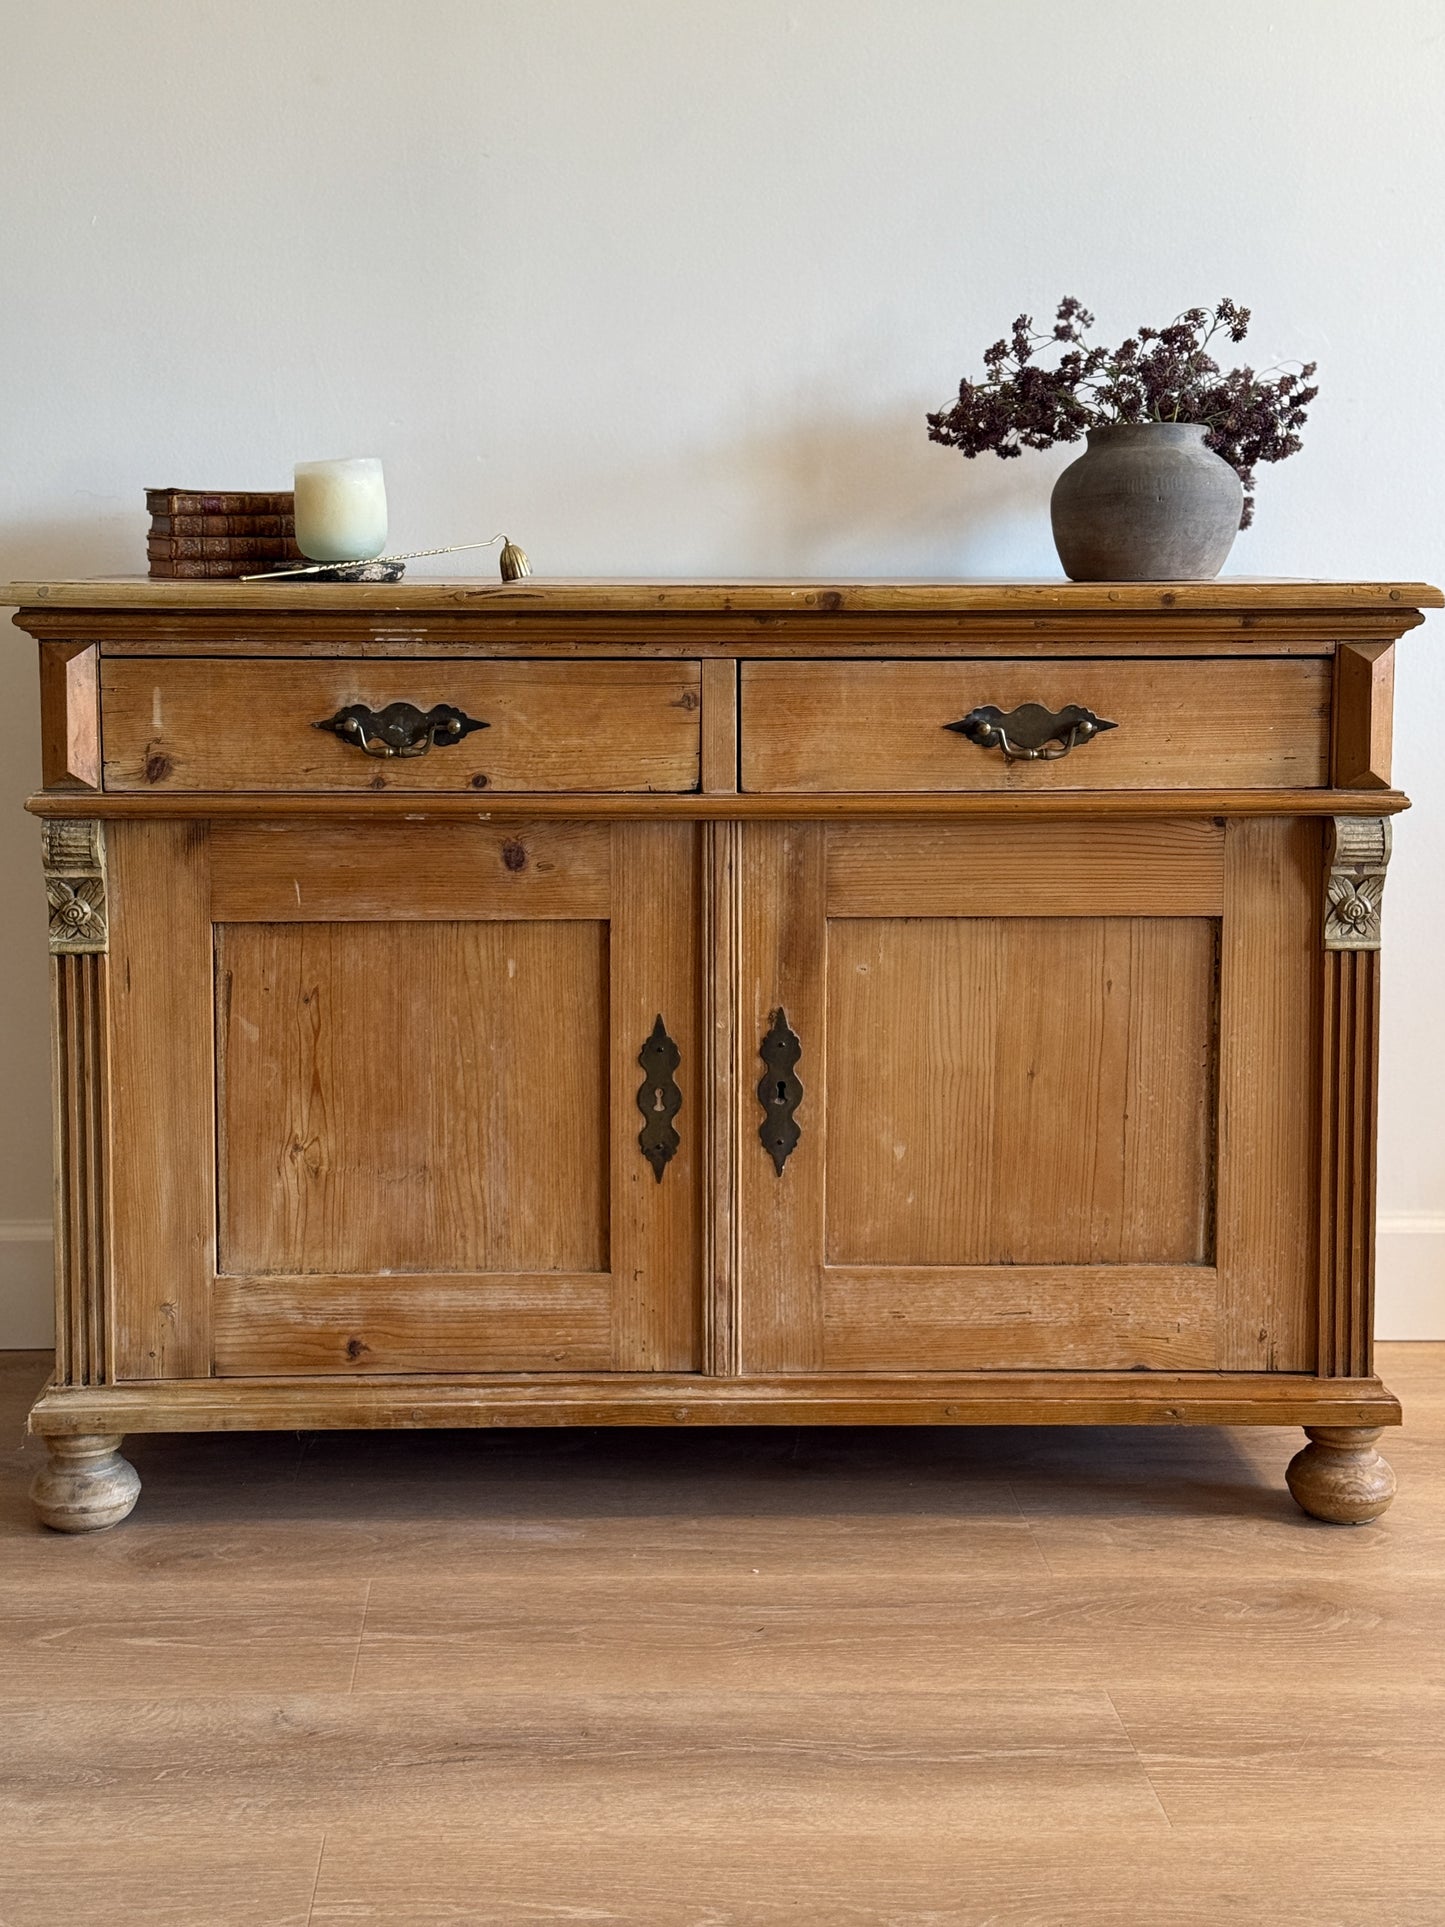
(172, 525)
(185, 501)
(239, 548)
(209, 569)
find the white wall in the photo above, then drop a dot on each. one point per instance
(665, 288)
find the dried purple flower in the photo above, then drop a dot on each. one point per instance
(1157, 374)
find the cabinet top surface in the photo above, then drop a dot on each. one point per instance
(561, 595)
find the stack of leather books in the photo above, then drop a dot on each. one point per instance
(201, 535)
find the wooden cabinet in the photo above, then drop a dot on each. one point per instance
(568, 1004)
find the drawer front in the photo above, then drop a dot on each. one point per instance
(170, 725)
(849, 726)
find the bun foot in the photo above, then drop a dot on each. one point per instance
(1339, 1476)
(86, 1486)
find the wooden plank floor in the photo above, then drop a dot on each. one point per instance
(922, 1679)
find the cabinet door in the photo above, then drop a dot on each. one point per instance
(1050, 1093)
(401, 1113)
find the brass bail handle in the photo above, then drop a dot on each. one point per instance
(401, 729)
(1031, 733)
(1015, 753)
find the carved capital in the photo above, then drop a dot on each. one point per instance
(73, 852)
(1359, 851)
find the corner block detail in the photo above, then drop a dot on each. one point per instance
(1359, 851)
(73, 853)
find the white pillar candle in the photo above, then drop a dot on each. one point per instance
(341, 509)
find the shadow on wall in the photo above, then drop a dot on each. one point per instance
(870, 495)
(112, 543)
(806, 491)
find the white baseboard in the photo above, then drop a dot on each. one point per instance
(1410, 1273)
(27, 1287)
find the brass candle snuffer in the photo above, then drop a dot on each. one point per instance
(512, 562)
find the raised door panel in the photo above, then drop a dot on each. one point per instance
(1010, 1149)
(424, 1139)
(404, 1097)
(1020, 1091)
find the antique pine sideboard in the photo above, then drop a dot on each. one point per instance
(563, 1003)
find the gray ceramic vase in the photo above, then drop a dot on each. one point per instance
(1146, 502)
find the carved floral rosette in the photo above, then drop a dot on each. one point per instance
(73, 853)
(1359, 853)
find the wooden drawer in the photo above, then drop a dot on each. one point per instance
(1257, 724)
(171, 725)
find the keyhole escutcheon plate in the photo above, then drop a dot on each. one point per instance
(779, 1091)
(659, 1099)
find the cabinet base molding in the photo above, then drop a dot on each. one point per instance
(87, 1485)
(1340, 1477)
(618, 1398)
